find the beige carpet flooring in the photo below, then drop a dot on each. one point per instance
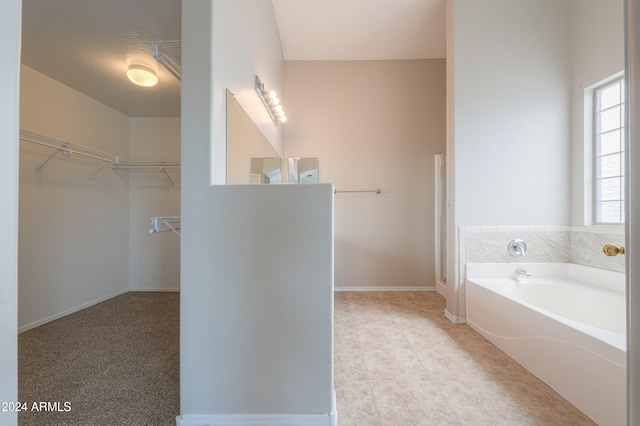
(115, 362)
(398, 361)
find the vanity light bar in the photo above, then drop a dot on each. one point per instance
(271, 103)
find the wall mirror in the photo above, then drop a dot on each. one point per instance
(250, 156)
(266, 170)
(303, 170)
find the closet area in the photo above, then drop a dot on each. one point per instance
(99, 160)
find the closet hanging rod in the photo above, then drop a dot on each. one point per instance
(147, 165)
(67, 147)
(376, 191)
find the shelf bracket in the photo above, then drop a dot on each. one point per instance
(96, 170)
(164, 170)
(47, 160)
(159, 224)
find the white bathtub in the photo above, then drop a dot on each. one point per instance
(565, 324)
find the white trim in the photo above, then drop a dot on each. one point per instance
(632, 225)
(94, 302)
(440, 217)
(454, 318)
(385, 288)
(329, 419)
(600, 229)
(257, 419)
(70, 311)
(441, 288)
(154, 289)
(616, 79)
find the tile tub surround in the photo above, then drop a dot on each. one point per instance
(398, 361)
(546, 244)
(587, 242)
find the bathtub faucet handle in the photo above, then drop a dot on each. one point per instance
(524, 272)
(517, 247)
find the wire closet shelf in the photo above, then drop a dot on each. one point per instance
(149, 165)
(66, 149)
(165, 224)
(169, 55)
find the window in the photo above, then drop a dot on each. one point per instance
(608, 118)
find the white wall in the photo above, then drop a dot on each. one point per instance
(451, 291)
(195, 153)
(154, 258)
(373, 124)
(258, 336)
(597, 46)
(10, 18)
(512, 69)
(215, 276)
(246, 43)
(508, 119)
(632, 70)
(83, 241)
(74, 236)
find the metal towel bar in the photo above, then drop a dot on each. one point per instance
(376, 191)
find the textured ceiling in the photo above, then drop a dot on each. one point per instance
(326, 30)
(88, 45)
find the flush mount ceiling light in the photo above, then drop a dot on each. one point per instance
(142, 76)
(271, 103)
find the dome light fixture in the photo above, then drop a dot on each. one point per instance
(142, 76)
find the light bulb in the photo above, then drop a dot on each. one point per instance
(273, 94)
(278, 108)
(276, 101)
(283, 119)
(142, 76)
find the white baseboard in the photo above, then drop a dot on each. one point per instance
(91, 303)
(170, 289)
(441, 288)
(330, 419)
(454, 318)
(386, 288)
(256, 420)
(70, 311)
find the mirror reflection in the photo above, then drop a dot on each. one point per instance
(266, 170)
(250, 156)
(303, 170)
